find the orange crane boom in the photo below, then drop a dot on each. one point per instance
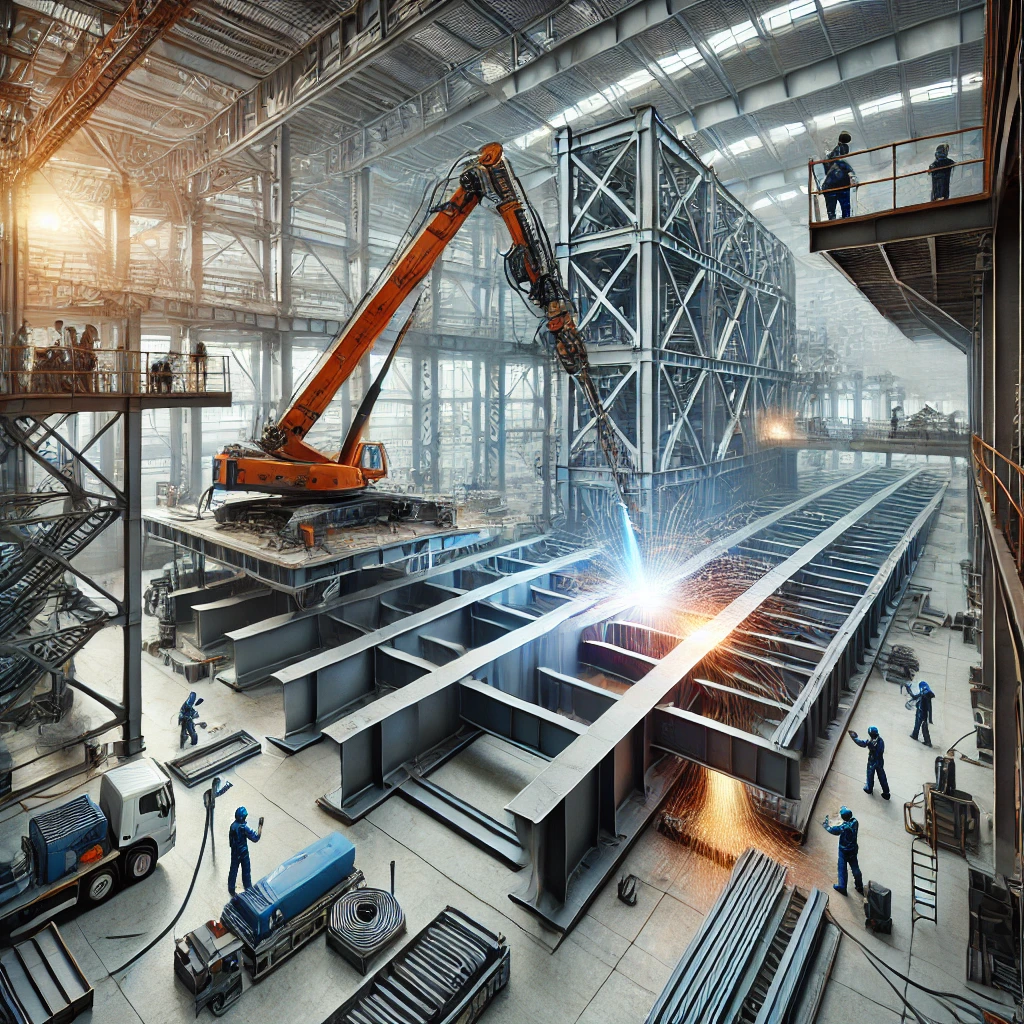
(287, 464)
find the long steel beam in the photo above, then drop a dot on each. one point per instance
(271, 644)
(863, 617)
(561, 815)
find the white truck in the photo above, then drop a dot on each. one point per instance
(80, 853)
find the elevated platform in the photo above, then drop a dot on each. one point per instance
(911, 256)
(48, 405)
(954, 447)
(294, 568)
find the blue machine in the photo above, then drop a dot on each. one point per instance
(290, 888)
(60, 837)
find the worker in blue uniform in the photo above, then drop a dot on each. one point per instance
(239, 837)
(839, 177)
(922, 701)
(847, 832)
(187, 716)
(876, 759)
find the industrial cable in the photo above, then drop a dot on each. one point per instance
(181, 910)
(950, 1001)
(366, 920)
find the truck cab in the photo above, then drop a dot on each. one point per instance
(138, 802)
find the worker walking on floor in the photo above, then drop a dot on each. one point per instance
(922, 702)
(847, 832)
(187, 716)
(239, 837)
(876, 759)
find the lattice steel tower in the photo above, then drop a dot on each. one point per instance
(687, 301)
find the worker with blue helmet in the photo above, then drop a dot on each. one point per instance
(239, 836)
(922, 702)
(876, 759)
(846, 829)
(187, 715)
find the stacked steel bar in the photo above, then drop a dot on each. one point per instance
(762, 954)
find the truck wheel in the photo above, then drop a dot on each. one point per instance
(217, 1007)
(99, 886)
(139, 864)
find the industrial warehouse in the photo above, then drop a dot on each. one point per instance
(511, 511)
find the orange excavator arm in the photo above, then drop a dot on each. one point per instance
(532, 269)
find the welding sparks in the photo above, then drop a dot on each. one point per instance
(778, 426)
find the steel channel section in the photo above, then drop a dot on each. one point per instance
(818, 702)
(563, 813)
(264, 647)
(790, 975)
(704, 977)
(317, 690)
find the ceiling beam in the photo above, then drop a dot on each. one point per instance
(139, 26)
(336, 57)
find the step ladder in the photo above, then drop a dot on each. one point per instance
(924, 882)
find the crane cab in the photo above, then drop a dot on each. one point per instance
(372, 460)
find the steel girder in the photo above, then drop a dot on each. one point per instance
(687, 304)
(140, 25)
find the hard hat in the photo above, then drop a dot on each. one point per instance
(191, 698)
(872, 730)
(241, 814)
(845, 813)
(924, 687)
(845, 137)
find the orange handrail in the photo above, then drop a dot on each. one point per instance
(991, 484)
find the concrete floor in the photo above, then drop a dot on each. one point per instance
(613, 965)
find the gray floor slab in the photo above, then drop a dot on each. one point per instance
(611, 968)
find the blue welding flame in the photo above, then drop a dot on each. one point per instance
(633, 563)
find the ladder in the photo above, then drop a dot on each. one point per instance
(924, 882)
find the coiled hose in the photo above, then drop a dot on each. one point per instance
(366, 920)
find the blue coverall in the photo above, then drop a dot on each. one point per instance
(940, 169)
(876, 762)
(239, 836)
(847, 832)
(186, 717)
(837, 177)
(922, 716)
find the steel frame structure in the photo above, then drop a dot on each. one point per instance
(687, 302)
(44, 532)
(416, 693)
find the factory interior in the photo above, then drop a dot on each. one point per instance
(496, 496)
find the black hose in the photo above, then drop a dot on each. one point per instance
(878, 963)
(181, 910)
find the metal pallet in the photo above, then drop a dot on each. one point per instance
(41, 982)
(203, 763)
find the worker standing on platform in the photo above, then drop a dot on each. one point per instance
(847, 831)
(922, 702)
(941, 168)
(239, 837)
(876, 759)
(839, 177)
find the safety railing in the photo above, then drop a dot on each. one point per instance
(1003, 496)
(28, 371)
(878, 430)
(898, 176)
